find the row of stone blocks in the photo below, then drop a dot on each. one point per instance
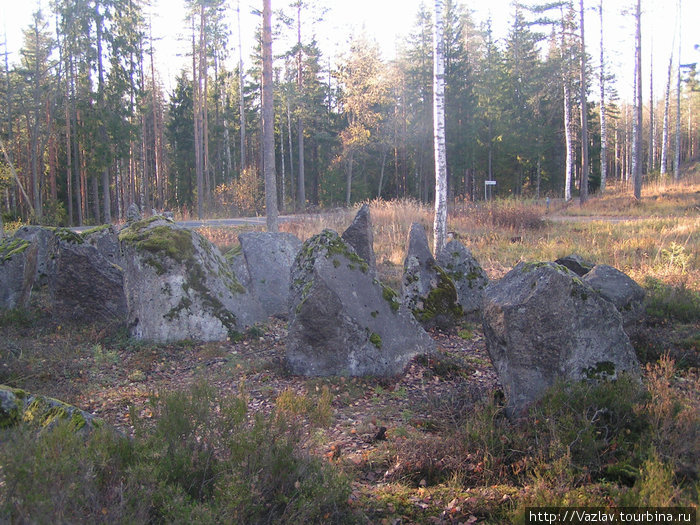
(541, 321)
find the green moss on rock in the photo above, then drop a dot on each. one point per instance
(391, 297)
(442, 300)
(11, 247)
(601, 370)
(69, 236)
(174, 243)
(376, 340)
(96, 229)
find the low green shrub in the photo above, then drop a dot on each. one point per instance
(599, 427)
(665, 301)
(201, 459)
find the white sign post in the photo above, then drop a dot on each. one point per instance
(488, 189)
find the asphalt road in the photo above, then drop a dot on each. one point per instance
(233, 221)
(237, 221)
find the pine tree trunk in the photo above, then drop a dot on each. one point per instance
(292, 189)
(348, 180)
(69, 157)
(241, 100)
(440, 221)
(269, 124)
(603, 117)
(301, 176)
(652, 126)
(76, 156)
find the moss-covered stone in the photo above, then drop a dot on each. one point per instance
(391, 297)
(165, 240)
(441, 301)
(96, 229)
(375, 339)
(70, 236)
(10, 247)
(11, 406)
(43, 412)
(601, 370)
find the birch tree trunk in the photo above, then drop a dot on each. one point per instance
(569, 167)
(603, 120)
(269, 123)
(241, 109)
(664, 133)
(583, 196)
(440, 222)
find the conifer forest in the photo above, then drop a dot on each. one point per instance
(87, 126)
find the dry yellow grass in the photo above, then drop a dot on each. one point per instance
(658, 236)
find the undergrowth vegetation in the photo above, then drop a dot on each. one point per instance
(203, 460)
(193, 452)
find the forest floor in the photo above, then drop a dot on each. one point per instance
(398, 439)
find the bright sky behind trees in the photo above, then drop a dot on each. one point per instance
(390, 21)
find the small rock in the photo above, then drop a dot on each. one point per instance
(576, 264)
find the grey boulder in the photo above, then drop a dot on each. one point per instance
(83, 284)
(541, 323)
(18, 262)
(466, 273)
(576, 264)
(268, 261)
(428, 291)
(618, 288)
(42, 237)
(342, 320)
(106, 239)
(133, 213)
(360, 236)
(178, 286)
